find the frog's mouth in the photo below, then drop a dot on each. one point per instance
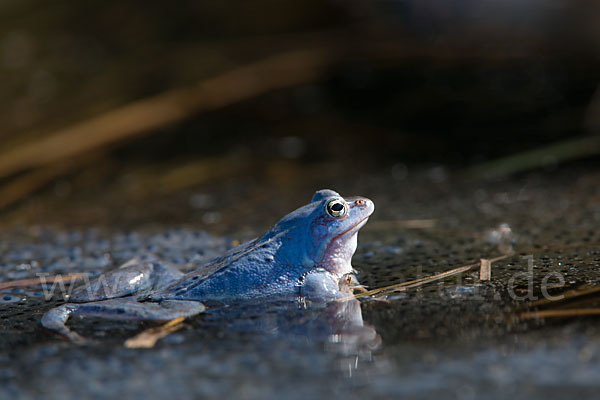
(354, 227)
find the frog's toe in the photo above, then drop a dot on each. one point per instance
(56, 319)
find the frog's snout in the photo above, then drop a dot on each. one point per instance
(363, 203)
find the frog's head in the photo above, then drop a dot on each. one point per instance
(324, 232)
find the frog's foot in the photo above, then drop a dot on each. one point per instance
(55, 320)
(120, 309)
(351, 284)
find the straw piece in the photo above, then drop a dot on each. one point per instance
(38, 281)
(276, 72)
(568, 295)
(149, 337)
(573, 312)
(421, 281)
(566, 150)
(485, 271)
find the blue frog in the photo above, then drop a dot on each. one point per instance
(306, 254)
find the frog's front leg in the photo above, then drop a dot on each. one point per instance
(124, 309)
(321, 284)
(133, 277)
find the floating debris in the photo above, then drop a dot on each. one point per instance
(565, 313)
(38, 281)
(485, 271)
(423, 281)
(149, 337)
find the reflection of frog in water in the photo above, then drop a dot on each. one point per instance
(307, 253)
(338, 325)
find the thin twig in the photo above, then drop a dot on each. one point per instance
(573, 312)
(421, 281)
(143, 116)
(485, 272)
(149, 337)
(572, 149)
(26, 184)
(38, 281)
(568, 295)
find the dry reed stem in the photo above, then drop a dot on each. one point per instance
(38, 281)
(149, 337)
(573, 312)
(280, 71)
(485, 271)
(421, 281)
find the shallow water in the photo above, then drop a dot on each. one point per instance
(455, 338)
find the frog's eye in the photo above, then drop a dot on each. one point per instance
(337, 208)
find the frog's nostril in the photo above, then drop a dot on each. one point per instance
(360, 202)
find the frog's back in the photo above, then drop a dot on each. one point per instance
(250, 270)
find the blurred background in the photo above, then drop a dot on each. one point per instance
(127, 112)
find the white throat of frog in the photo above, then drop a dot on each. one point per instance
(336, 256)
